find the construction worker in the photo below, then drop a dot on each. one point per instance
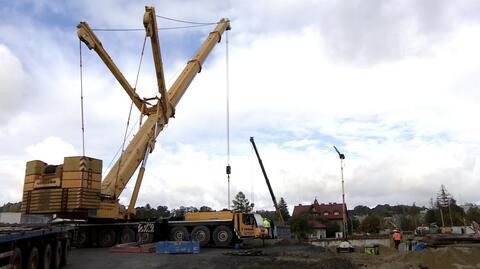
(396, 236)
(266, 225)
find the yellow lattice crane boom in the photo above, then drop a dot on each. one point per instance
(74, 189)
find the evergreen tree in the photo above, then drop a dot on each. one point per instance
(241, 203)
(284, 209)
(443, 202)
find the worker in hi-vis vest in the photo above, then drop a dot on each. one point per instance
(396, 236)
(266, 225)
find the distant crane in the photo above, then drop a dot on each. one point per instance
(342, 158)
(277, 209)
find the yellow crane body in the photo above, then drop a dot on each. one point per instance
(74, 188)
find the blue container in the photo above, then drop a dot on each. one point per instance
(420, 246)
(176, 247)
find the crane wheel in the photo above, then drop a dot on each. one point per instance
(57, 255)
(106, 238)
(145, 238)
(127, 236)
(201, 234)
(83, 239)
(33, 259)
(222, 236)
(179, 233)
(46, 256)
(66, 251)
(16, 259)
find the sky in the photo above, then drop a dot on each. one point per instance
(393, 84)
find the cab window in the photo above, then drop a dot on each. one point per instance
(248, 219)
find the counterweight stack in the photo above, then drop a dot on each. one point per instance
(72, 188)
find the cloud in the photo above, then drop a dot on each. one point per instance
(14, 84)
(11, 180)
(51, 150)
(392, 84)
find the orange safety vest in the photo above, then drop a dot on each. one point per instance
(396, 236)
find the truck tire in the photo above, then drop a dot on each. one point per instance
(57, 255)
(33, 261)
(179, 233)
(127, 236)
(106, 238)
(16, 259)
(201, 234)
(83, 239)
(66, 252)
(46, 260)
(222, 236)
(145, 238)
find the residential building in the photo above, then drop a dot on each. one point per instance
(331, 211)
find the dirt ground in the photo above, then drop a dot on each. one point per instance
(281, 256)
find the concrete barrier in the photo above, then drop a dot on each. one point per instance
(356, 242)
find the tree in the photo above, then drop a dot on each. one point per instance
(361, 210)
(11, 207)
(178, 212)
(205, 208)
(163, 212)
(283, 209)
(443, 201)
(444, 209)
(332, 228)
(145, 212)
(353, 225)
(371, 224)
(473, 214)
(241, 203)
(301, 225)
(271, 215)
(408, 223)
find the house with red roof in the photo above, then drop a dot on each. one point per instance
(331, 211)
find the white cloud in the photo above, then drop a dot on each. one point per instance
(394, 84)
(14, 84)
(51, 150)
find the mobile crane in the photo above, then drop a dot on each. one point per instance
(274, 200)
(283, 230)
(75, 190)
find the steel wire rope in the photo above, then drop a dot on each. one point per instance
(227, 82)
(140, 29)
(81, 98)
(184, 21)
(130, 111)
(120, 147)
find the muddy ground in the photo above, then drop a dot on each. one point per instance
(284, 256)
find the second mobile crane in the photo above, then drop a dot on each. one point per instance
(283, 230)
(75, 189)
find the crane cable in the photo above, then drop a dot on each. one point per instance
(130, 111)
(81, 98)
(193, 25)
(140, 29)
(229, 168)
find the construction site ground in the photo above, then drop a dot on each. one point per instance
(282, 256)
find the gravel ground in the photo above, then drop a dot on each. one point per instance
(282, 257)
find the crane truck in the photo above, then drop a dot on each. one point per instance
(76, 190)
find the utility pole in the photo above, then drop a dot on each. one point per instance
(344, 213)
